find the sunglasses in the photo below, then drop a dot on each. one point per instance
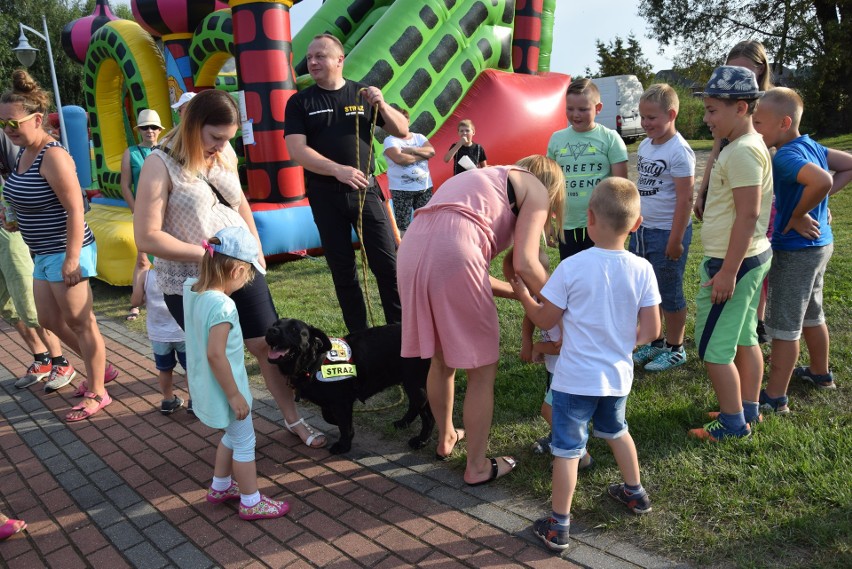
(15, 124)
(149, 127)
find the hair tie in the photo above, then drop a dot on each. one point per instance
(207, 247)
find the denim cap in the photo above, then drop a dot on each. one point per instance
(238, 243)
(731, 82)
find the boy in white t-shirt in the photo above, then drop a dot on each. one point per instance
(167, 338)
(666, 167)
(600, 294)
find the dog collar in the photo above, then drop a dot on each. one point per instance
(337, 364)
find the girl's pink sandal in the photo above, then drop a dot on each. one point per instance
(11, 527)
(86, 412)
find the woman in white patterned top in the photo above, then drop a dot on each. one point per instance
(188, 190)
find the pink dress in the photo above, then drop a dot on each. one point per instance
(442, 270)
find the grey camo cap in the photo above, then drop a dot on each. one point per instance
(731, 82)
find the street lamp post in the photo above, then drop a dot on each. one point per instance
(26, 54)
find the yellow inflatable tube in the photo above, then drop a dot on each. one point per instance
(113, 229)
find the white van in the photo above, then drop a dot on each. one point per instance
(620, 97)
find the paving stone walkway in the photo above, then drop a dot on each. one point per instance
(127, 489)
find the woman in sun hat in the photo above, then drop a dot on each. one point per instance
(149, 128)
(180, 106)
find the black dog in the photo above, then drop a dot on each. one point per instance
(304, 354)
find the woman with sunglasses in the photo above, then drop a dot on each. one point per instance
(45, 195)
(149, 127)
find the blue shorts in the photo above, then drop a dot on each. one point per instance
(49, 267)
(651, 244)
(167, 354)
(571, 416)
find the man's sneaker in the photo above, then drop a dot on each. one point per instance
(638, 503)
(715, 432)
(59, 377)
(819, 381)
(777, 405)
(667, 360)
(170, 406)
(548, 531)
(714, 415)
(35, 373)
(646, 353)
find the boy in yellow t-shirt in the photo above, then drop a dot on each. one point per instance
(737, 254)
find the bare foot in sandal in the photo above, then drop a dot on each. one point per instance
(454, 440)
(310, 436)
(497, 468)
(132, 314)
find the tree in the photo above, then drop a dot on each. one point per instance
(815, 36)
(616, 58)
(69, 74)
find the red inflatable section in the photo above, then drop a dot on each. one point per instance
(514, 116)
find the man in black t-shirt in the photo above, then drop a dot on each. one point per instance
(319, 126)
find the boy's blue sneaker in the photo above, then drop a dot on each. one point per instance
(777, 405)
(667, 360)
(646, 353)
(639, 503)
(551, 533)
(825, 381)
(715, 431)
(542, 445)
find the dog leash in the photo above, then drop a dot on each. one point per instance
(362, 197)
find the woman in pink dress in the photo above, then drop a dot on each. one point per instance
(448, 309)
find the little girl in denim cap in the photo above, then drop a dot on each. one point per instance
(217, 375)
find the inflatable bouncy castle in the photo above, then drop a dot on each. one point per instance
(442, 60)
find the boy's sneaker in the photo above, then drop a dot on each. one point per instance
(638, 503)
(667, 360)
(542, 445)
(777, 405)
(646, 353)
(265, 509)
(189, 408)
(59, 377)
(35, 373)
(825, 381)
(714, 415)
(550, 533)
(715, 431)
(219, 496)
(170, 406)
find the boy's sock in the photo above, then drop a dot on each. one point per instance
(43, 358)
(734, 422)
(659, 343)
(250, 500)
(633, 489)
(673, 347)
(562, 520)
(751, 410)
(221, 484)
(59, 361)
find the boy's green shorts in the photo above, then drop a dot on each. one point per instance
(720, 328)
(16, 280)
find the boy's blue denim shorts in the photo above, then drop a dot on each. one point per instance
(571, 416)
(168, 354)
(651, 244)
(49, 267)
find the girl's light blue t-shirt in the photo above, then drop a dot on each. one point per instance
(202, 311)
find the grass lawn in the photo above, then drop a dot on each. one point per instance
(781, 499)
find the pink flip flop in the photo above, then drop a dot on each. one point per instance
(102, 401)
(11, 527)
(109, 375)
